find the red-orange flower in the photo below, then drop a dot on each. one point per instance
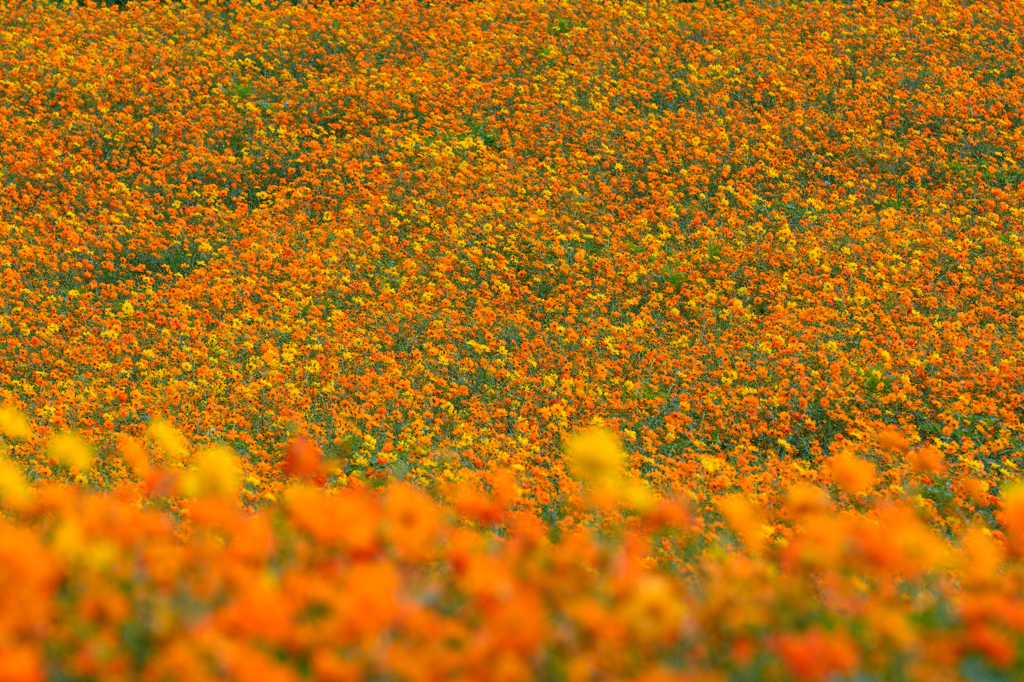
(302, 459)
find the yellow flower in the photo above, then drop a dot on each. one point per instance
(653, 611)
(635, 492)
(595, 456)
(1013, 516)
(70, 450)
(710, 464)
(13, 424)
(597, 459)
(169, 439)
(216, 474)
(74, 546)
(13, 488)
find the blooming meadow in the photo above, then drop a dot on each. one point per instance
(533, 340)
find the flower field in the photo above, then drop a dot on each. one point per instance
(526, 340)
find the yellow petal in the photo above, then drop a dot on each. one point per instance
(70, 450)
(13, 424)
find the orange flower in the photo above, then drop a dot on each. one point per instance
(996, 646)
(517, 623)
(815, 655)
(21, 663)
(893, 440)
(134, 455)
(302, 458)
(852, 474)
(982, 557)
(928, 460)
(746, 519)
(347, 519)
(804, 500)
(668, 514)
(328, 666)
(371, 601)
(505, 488)
(412, 522)
(652, 610)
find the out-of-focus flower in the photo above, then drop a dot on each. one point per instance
(928, 460)
(854, 475)
(815, 655)
(216, 474)
(13, 424)
(13, 487)
(653, 610)
(803, 499)
(746, 519)
(981, 557)
(595, 456)
(412, 522)
(893, 440)
(70, 450)
(1013, 516)
(302, 459)
(134, 455)
(670, 514)
(169, 440)
(21, 662)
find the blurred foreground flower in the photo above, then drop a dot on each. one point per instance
(597, 459)
(13, 424)
(216, 475)
(595, 456)
(169, 440)
(71, 451)
(13, 487)
(746, 519)
(652, 610)
(302, 458)
(1013, 517)
(854, 475)
(411, 522)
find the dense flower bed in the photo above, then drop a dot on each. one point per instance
(359, 584)
(525, 340)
